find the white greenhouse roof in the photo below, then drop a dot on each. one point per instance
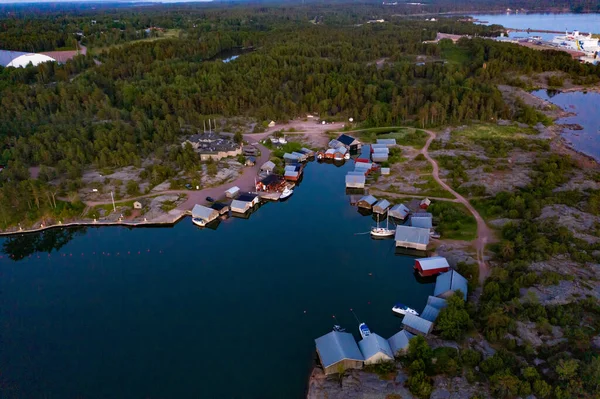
(19, 59)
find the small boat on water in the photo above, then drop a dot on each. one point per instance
(402, 309)
(199, 222)
(381, 231)
(364, 330)
(286, 193)
(338, 328)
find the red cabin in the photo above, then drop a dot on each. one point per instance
(431, 266)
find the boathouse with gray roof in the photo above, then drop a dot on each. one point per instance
(381, 206)
(375, 349)
(367, 202)
(399, 211)
(399, 342)
(417, 325)
(448, 283)
(338, 350)
(412, 237)
(204, 213)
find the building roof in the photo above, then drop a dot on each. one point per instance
(202, 212)
(436, 302)
(383, 204)
(247, 197)
(268, 166)
(422, 215)
(237, 205)
(337, 346)
(290, 156)
(412, 234)
(347, 140)
(424, 223)
(251, 159)
(291, 173)
(381, 150)
(374, 344)
(270, 179)
(362, 165)
(233, 190)
(432, 263)
(386, 141)
(374, 146)
(385, 171)
(450, 281)
(400, 340)
(341, 150)
(417, 323)
(369, 199)
(355, 173)
(430, 313)
(356, 179)
(334, 144)
(400, 211)
(426, 201)
(19, 59)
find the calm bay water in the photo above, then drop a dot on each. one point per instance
(225, 313)
(585, 23)
(586, 106)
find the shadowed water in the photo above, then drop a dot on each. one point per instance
(188, 313)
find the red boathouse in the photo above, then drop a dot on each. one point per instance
(431, 266)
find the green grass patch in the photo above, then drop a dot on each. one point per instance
(169, 34)
(486, 131)
(453, 221)
(432, 188)
(289, 147)
(455, 54)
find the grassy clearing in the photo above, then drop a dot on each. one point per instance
(169, 34)
(486, 131)
(455, 55)
(404, 136)
(432, 188)
(453, 221)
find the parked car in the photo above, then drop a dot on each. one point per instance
(188, 186)
(210, 199)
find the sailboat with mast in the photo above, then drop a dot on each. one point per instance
(382, 232)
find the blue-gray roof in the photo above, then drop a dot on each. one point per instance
(386, 141)
(430, 313)
(399, 211)
(400, 340)
(436, 302)
(337, 346)
(369, 199)
(373, 344)
(433, 262)
(450, 281)
(415, 235)
(417, 323)
(382, 204)
(424, 223)
(204, 213)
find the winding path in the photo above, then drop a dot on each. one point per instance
(484, 233)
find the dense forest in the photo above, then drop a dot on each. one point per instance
(120, 106)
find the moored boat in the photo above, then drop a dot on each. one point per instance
(404, 310)
(199, 222)
(286, 193)
(364, 330)
(382, 231)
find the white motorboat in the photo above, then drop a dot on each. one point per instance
(282, 140)
(199, 222)
(285, 193)
(404, 310)
(382, 231)
(364, 330)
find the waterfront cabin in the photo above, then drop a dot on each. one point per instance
(374, 147)
(417, 325)
(290, 158)
(355, 180)
(439, 303)
(412, 237)
(220, 207)
(271, 183)
(385, 171)
(334, 144)
(367, 202)
(349, 142)
(377, 148)
(399, 342)
(380, 156)
(251, 198)
(364, 167)
(240, 206)
(381, 206)
(450, 282)
(330, 153)
(422, 220)
(431, 266)
(338, 351)
(430, 313)
(232, 192)
(387, 142)
(268, 167)
(425, 203)
(293, 172)
(301, 157)
(204, 213)
(375, 349)
(399, 211)
(250, 161)
(308, 152)
(340, 153)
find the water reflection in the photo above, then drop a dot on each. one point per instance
(22, 246)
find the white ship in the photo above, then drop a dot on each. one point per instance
(578, 42)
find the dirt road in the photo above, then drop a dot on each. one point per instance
(484, 233)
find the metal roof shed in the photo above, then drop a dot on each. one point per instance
(240, 206)
(290, 158)
(338, 348)
(367, 202)
(387, 142)
(381, 206)
(355, 181)
(232, 192)
(384, 150)
(380, 157)
(385, 171)
(431, 266)
(399, 341)
(417, 325)
(412, 237)
(376, 146)
(375, 349)
(267, 166)
(399, 211)
(449, 282)
(430, 313)
(424, 223)
(204, 213)
(301, 157)
(436, 302)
